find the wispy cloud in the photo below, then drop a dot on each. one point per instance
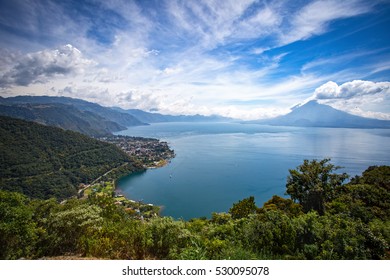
(234, 58)
(315, 18)
(345, 58)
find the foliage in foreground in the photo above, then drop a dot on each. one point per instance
(352, 221)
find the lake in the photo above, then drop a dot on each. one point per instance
(217, 164)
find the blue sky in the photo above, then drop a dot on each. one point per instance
(246, 59)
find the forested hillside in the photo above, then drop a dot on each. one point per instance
(43, 162)
(90, 111)
(326, 218)
(63, 116)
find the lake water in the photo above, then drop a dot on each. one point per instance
(217, 164)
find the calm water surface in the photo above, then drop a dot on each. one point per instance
(217, 164)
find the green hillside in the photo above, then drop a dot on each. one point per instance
(43, 162)
(98, 117)
(64, 116)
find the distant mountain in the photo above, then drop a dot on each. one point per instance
(63, 116)
(156, 117)
(109, 114)
(313, 114)
(42, 161)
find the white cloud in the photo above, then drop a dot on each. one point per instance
(264, 22)
(314, 18)
(348, 90)
(381, 66)
(207, 24)
(38, 67)
(329, 90)
(357, 97)
(179, 56)
(100, 95)
(345, 58)
(141, 99)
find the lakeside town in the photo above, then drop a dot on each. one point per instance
(150, 153)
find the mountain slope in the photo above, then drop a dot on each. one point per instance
(42, 161)
(156, 117)
(121, 118)
(313, 114)
(63, 116)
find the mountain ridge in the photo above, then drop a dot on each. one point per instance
(120, 118)
(68, 113)
(157, 117)
(63, 116)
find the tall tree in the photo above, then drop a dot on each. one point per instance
(313, 183)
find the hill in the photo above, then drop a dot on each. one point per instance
(64, 116)
(121, 118)
(313, 114)
(42, 161)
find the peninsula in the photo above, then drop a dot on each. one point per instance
(150, 152)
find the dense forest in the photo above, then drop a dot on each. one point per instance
(326, 217)
(43, 162)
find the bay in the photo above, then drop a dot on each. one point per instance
(217, 164)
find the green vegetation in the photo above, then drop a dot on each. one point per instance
(44, 162)
(63, 116)
(243, 208)
(105, 195)
(68, 113)
(351, 222)
(314, 183)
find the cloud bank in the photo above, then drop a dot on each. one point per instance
(356, 97)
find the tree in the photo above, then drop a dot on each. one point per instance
(65, 228)
(18, 231)
(286, 205)
(167, 237)
(378, 176)
(314, 183)
(243, 208)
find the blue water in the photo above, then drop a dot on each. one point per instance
(217, 164)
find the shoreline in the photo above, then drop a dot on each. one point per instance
(160, 164)
(156, 165)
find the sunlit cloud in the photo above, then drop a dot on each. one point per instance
(357, 97)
